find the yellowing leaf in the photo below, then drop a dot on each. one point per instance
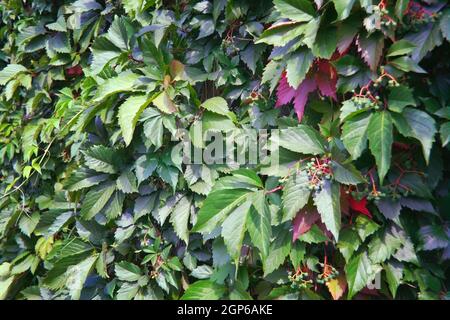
(337, 287)
(129, 113)
(176, 70)
(164, 103)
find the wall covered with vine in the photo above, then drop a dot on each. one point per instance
(350, 104)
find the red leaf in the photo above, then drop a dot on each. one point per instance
(303, 222)
(324, 229)
(285, 93)
(371, 49)
(74, 71)
(337, 287)
(301, 97)
(401, 146)
(322, 76)
(359, 206)
(326, 78)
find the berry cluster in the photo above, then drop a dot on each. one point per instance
(366, 98)
(329, 273)
(364, 103)
(418, 14)
(375, 195)
(229, 47)
(386, 20)
(318, 170)
(299, 279)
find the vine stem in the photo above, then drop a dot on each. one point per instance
(46, 151)
(274, 189)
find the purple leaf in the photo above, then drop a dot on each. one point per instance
(433, 237)
(417, 205)
(321, 76)
(301, 96)
(371, 49)
(326, 79)
(303, 222)
(446, 253)
(285, 93)
(389, 208)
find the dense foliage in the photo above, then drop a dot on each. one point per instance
(96, 201)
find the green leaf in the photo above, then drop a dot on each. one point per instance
(310, 32)
(59, 43)
(365, 226)
(349, 108)
(296, 10)
(359, 272)
(394, 275)
(202, 272)
(10, 72)
(103, 52)
(101, 159)
(59, 25)
(83, 178)
(399, 98)
(5, 285)
(121, 32)
(217, 206)
(327, 201)
(127, 271)
(217, 105)
(127, 291)
(383, 247)
(325, 42)
(314, 235)
(96, 199)
(302, 139)
(295, 195)
(123, 82)
(233, 230)
(272, 73)
(129, 113)
(28, 222)
(401, 124)
(239, 293)
(380, 136)
(444, 23)
(445, 133)
(349, 242)
(204, 290)
(407, 64)
(77, 275)
(297, 253)
(279, 250)
(343, 8)
(426, 39)
(354, 134)
(126, 182)
(168, 174)
(400, 48)
(63, 255)
(423, 128)
(280, 34)
(346, 173)
(297, 66)
(259, 224)
(145, 166)
(153, 126)
(180, 219)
